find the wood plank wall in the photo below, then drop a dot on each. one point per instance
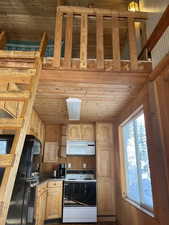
(126, 213)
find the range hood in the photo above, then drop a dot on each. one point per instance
(80, 148)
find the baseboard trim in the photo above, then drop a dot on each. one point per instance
(106, 218)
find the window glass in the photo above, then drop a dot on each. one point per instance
(138, 180)
(131, 164)
(3, 146)
(143, 162)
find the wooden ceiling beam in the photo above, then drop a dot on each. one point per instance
(128, 78)
(104, 12)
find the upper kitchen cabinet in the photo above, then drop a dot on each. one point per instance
(51, 152)
(81, 132)
(52, 143)
(73, 132)
(87, 132)
(104, 135)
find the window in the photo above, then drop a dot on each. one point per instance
(137, 172)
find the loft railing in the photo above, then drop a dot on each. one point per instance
(156, 35)
(64, 33)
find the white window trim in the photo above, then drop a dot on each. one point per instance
(139, 206)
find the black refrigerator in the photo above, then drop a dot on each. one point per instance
(21, 210)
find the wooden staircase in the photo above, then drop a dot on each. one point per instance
(19, 74)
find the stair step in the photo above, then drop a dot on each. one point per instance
(17, 63)
(10, 124)
(16, 75)
(14, 95)
(18, 54)
(6, 160)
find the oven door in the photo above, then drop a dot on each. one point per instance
(79, 193)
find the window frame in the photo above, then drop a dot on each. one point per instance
(141, 206)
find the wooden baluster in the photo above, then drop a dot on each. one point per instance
(115, 43)
(143, 39)
(2, 39)
(68, 41)
(58, 39)
(132, 44)
(83, 41)
(43, 44)
(99, 42)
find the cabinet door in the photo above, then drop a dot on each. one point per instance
(87, 132)
(51, 152)
(74, 132)
(105, 197)
(104, 162)
(104, 134)
(54, 203)
(40, 204)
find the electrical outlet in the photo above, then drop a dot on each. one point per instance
(69, 165)
(84, 165)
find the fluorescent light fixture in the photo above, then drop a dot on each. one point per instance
(73, 108)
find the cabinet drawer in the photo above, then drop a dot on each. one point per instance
(55, 184)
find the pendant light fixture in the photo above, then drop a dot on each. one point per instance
(133, 6)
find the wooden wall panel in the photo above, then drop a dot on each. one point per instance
(161, 89)
(127, 213)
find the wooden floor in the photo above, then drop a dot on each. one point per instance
(99, 223)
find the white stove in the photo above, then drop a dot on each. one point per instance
(79, 204)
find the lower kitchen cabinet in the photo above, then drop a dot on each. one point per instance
(40, 203)
(105, 201)
(48, 203)
(54, 201)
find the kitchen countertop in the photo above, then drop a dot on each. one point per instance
(49, 179)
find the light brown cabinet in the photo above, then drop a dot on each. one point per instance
(105, 197)
(40, 203)
(81, 132)
(87, 132)
(74, 132)
(104, 167)
(104, 135)
(48, 202)
(105, 170)
(54, 200)
(51, 152)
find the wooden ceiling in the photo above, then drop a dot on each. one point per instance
(103, 94)
(100, 102)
